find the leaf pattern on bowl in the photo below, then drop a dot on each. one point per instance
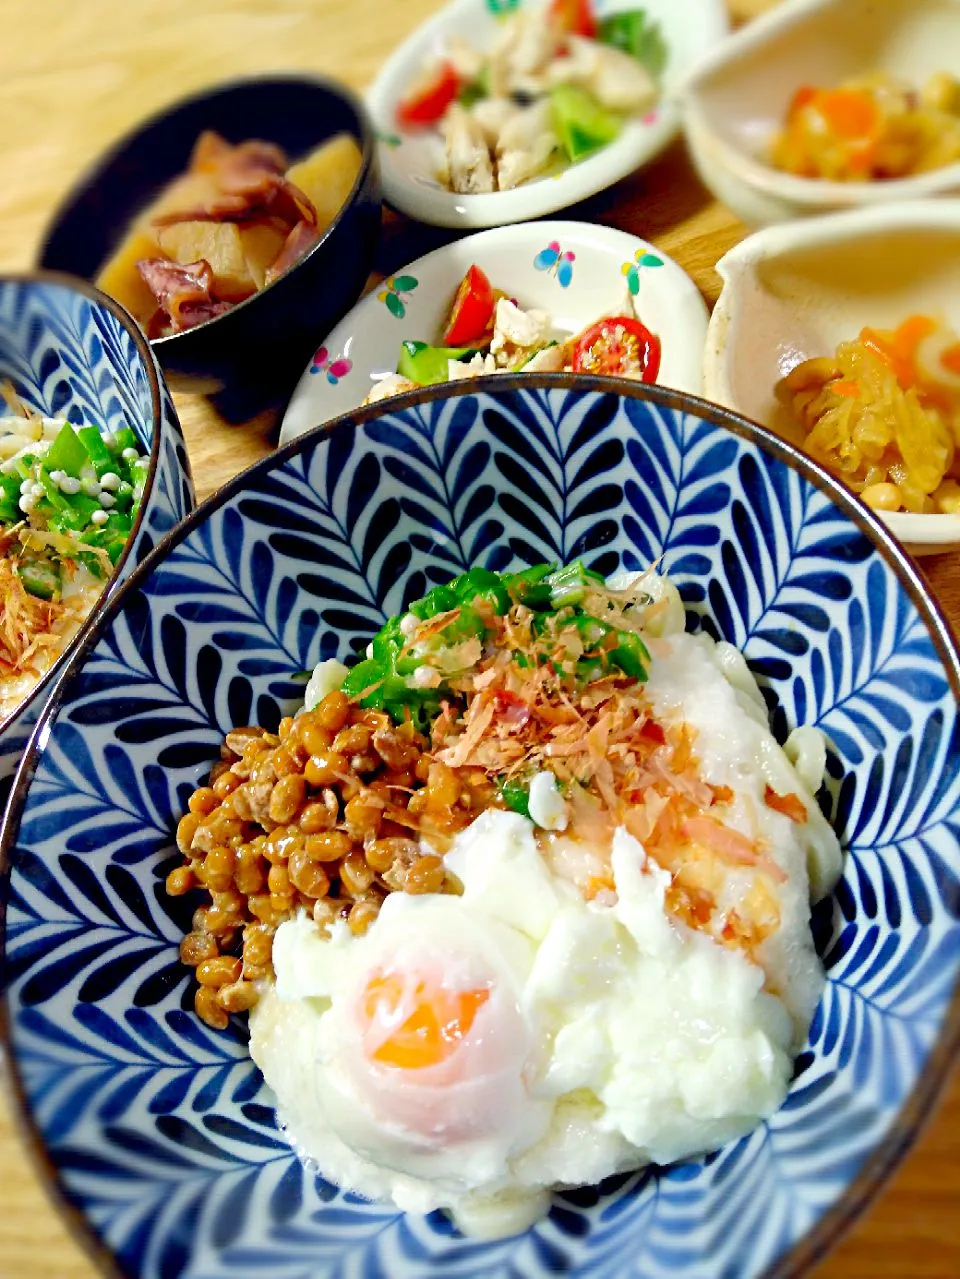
(68, 355)
(162, 1131)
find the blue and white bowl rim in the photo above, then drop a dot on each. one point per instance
(935, 1075)
(61, 279)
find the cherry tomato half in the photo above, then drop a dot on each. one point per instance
(472, 309)
(619, 346)
(576, 17)
(429, 98)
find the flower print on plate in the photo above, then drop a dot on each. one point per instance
(395, 293)
(335, 369)
(642, 259)
(558, 262)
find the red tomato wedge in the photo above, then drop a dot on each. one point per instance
(429, 97)
(472, 311)
(576, 17)
(619, 346)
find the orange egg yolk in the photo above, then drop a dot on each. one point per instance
(432, 1032)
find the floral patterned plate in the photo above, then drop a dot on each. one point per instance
(411, 159)
(574, 272)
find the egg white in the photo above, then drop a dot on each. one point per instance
(613, 1035)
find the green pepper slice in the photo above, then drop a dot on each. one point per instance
(362, 676)
(481, 583)
(631, 655)
(67, 452)
(74, 514)
(528, 587)
(442, 599)
(124, 439)
(569, 584)
(98, 455)
(10, 512)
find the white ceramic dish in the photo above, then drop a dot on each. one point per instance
(738, 96)
(410, 160)
(574, 272)
(795, 291)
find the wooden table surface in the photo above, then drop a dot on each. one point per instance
(76, 75)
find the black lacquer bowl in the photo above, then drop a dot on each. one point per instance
(265, 341)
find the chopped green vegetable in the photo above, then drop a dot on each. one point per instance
(124, 439)
(24, 465)
(569, 584)
(362, 676)
(426, 365)
(74, 514)
(631, 655)
(515, 794)
(638, 35)
(475, 90)
(582, 124)
(440, 600)
(408, 674)
(523, 363)
(9, 499)
(40, 578)
(67, 452)
(481, 583)
(99, 456)
(139, 470)
(56, 487)
(57, 500)
(529, 587)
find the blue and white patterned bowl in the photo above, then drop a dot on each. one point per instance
(159, 1134)
(70, 351)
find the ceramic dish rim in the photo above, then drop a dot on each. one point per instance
(75, 284)
(935, 1074)
(105, 160)
(445, 208)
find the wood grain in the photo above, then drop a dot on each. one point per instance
(77, 75)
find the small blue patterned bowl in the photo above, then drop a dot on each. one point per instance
(70, 351)
(158, 1135)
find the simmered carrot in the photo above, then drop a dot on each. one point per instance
(899, 352)
(880, 345)
(850, 390)
(950, 358)
(911, 333)
(802, 98)
(850, 113)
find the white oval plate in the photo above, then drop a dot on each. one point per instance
(574, 272)
(410, 159)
